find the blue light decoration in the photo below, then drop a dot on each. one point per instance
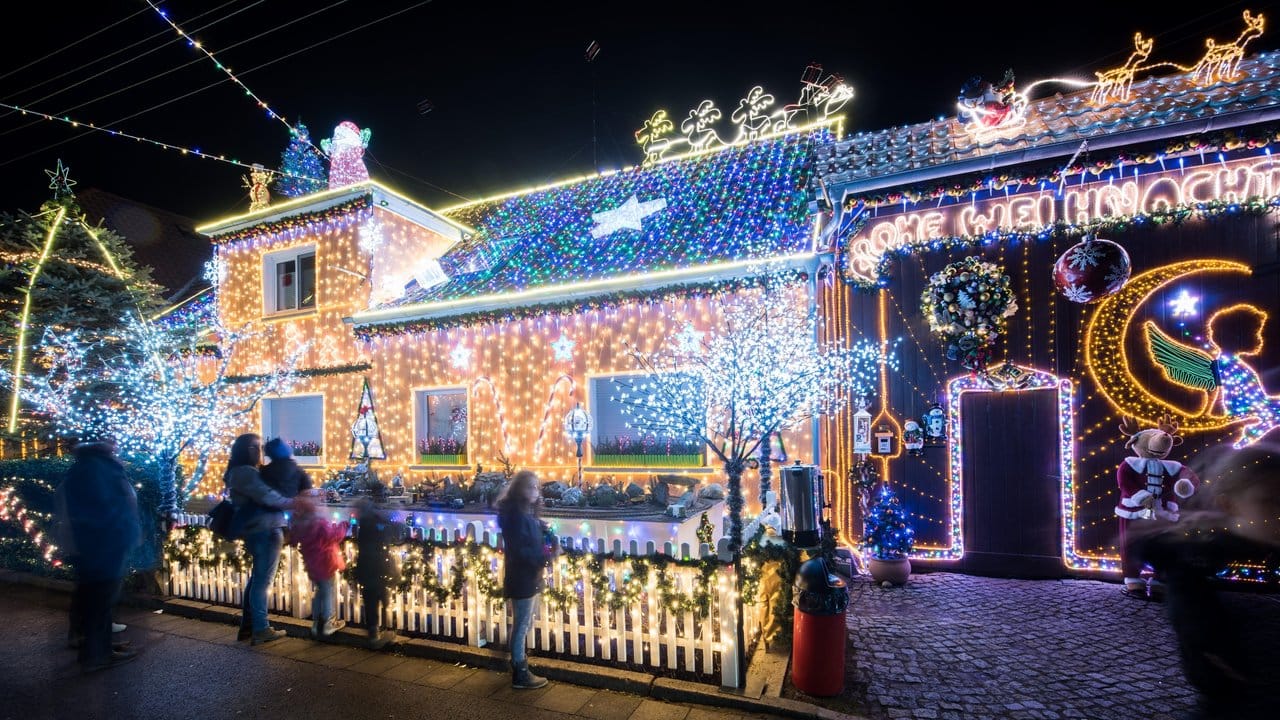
(887, 535)
(742, 203)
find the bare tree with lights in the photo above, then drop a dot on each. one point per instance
(162, 390)
(759, 372)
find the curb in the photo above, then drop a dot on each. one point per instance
(594, 676)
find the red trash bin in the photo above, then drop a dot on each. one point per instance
(818, 640)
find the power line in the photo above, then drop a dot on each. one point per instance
(193, 92)
(415, 178)
(119, 50)
(70, 45)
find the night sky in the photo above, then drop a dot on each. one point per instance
(513, 99)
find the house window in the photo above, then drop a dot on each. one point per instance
(617, 442)
(290, 278)
(300, 422)
(440, 417)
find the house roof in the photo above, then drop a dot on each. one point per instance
(675, 222)
(1156, 108)
(163, 240)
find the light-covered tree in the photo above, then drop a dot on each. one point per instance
(161, 389)
(759, 371)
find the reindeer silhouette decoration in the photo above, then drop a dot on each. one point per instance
(1150, 487)
(1220, 62)
(1114, 84)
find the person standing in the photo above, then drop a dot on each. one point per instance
(525, 557)
(374, 532)
(282, 473)
(102, 511)
(321, 544)
(259, 521)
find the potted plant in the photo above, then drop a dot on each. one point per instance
(888, 539)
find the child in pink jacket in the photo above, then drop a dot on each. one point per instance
(320, 542)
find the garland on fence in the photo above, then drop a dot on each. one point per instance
(195, 546)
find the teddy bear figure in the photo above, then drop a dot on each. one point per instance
(1151, 486)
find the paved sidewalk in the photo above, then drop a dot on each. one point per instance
(953, 646)
(193, 669)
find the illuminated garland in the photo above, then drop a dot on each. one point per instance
(704, 290)
(309, 372)
(1174, 215)
(1052, 175)
(32, 523)
(302, 223)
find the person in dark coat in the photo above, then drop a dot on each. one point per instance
(1239, 520)
(282, 474)
(102, 511)
(375, 532)
(526, 553)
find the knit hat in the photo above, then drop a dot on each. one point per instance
(277, 449)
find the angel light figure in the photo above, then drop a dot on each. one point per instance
(1233, 333)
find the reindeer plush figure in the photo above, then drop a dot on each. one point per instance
(1151, 486)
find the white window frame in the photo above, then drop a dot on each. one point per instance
(419, 422)
(592, 400)
(270, 291)
(267, 434)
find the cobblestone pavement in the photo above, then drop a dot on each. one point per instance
(955, 646)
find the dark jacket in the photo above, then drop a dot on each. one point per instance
(523, 552)
(373, 561)
(285, 477)
(257, 504)
(102, 511)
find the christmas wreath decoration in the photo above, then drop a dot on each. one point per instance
(966, 304)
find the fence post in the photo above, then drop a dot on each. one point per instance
(728, 627)
(295, 587)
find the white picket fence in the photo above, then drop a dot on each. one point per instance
(644, 634)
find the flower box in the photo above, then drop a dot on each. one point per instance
(441, 459)
(308, 459)
(656, 461)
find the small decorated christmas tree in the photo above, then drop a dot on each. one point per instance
(301, 167)
(888, 535)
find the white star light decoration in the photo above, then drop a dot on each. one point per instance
(460, 356)
(626, 216)
(1184, 305)
(563, 348)
(689, 340)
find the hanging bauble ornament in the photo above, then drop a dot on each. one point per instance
(1091, 270)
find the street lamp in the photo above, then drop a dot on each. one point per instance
(577, 425)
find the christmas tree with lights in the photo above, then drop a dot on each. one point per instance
(301, 166)
(60, 273)
(887, 534)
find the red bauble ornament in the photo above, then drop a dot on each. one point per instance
(1091, 270)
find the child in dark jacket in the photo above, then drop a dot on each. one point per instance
(321, 544)
(375, 532)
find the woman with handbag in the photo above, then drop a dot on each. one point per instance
(259, 521)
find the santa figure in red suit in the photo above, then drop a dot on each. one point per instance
(1151, 486)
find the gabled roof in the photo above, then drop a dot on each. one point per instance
(1156, 109)
(675, 222)
(165, 241)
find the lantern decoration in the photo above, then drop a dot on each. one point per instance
(1091, 270)
(862, 429)
(935, 424)
(966, 304)
(913, 437)
(577, 425)
(884, 440)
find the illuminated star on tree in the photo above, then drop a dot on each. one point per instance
(461, 356)
(626, 216)
(1184, 305)
(689, 340)
(60, 181)
(563, 347)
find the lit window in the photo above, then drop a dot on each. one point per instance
(290, 280)
(440, 419)
(299, 421)
(617, 442)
